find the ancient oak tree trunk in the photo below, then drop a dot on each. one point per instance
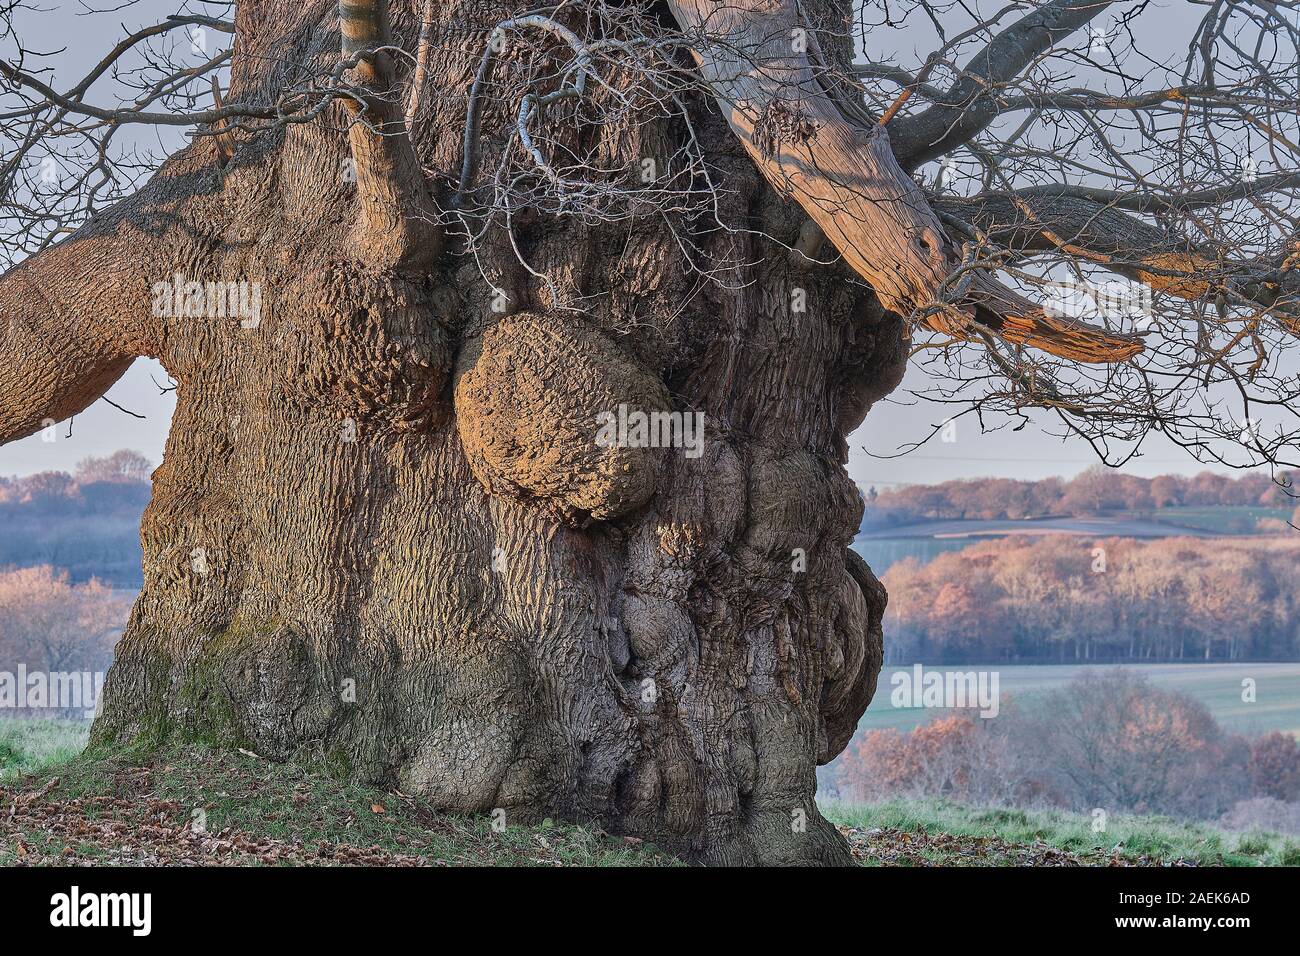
(384, 532)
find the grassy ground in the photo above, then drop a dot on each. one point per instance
(29, 746)
(934, 832)
(1217, 686)
(199, 807)
(203, 807)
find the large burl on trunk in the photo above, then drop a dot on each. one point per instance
(384, 531)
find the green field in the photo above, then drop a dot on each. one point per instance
(30, 746)
(1218, 520)
(1218, 686)
(881, 553)
(926, 539)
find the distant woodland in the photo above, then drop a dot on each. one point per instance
(1108, 739)
(1097, 491)
(1058, 598)
(87, 523)
(49, 624)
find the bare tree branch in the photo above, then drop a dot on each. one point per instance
(847, 180)
(71, 323)
(970, 105)
(397, 222)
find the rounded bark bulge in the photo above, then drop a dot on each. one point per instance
(535, 398)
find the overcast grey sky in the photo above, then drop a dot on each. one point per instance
(894, 423)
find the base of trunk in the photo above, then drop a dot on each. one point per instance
(719, 773)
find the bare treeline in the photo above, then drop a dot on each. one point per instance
(1112, 741)
(50, 624)
(86, 523)
(1065, 598)
(1097, 491)
(120, 468)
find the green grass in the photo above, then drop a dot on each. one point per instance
(141, 809)
(1217, 686)
(29, 746)
(1156, 839)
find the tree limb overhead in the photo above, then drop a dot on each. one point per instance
(847, 180)
(970, 105)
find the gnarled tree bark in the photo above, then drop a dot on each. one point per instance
(386, 532)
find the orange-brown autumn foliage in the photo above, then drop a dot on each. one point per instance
(1067, 598)
(1108, 739)
(50, 624)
